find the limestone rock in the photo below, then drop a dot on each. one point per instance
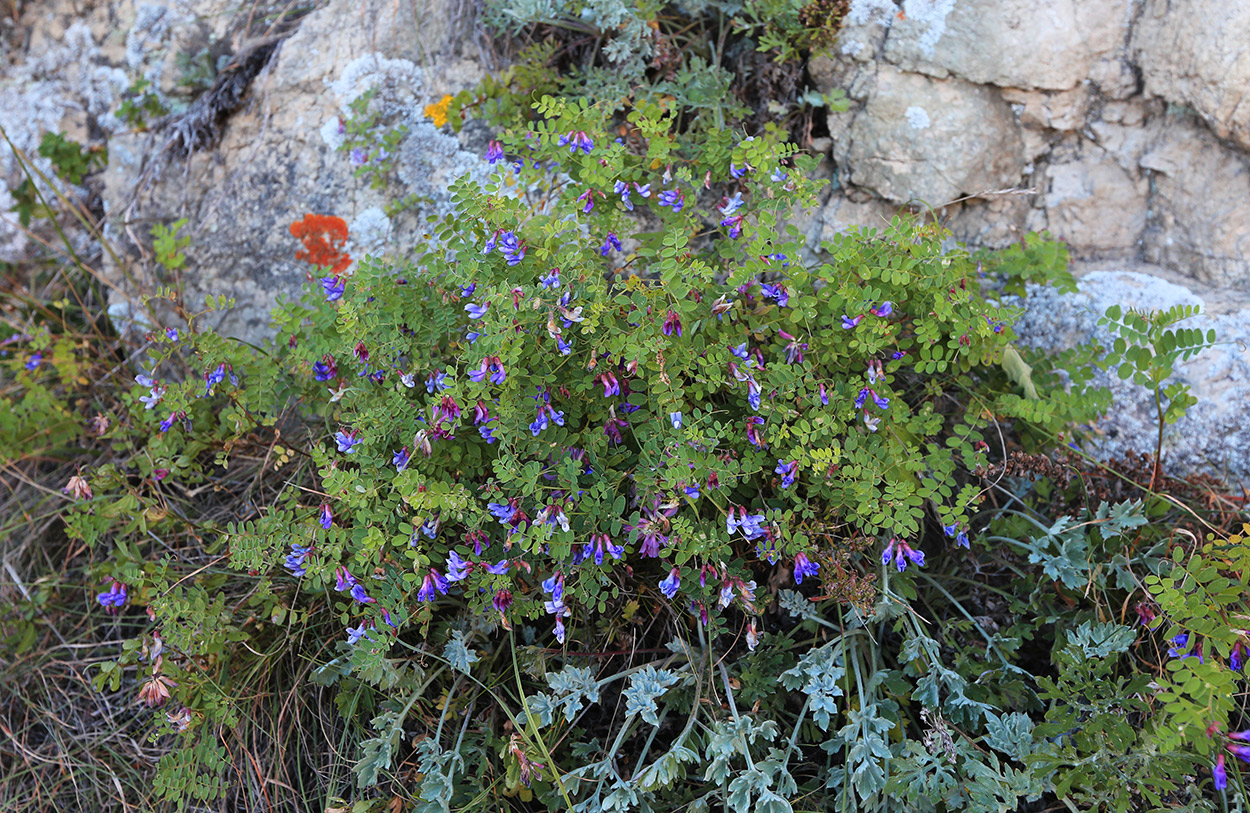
(1200, 207)
(1057, 110)
(1094, 204)
(1212, 436)
(933, 140)
(277, 159)
(1010, 43)
(1193, 52)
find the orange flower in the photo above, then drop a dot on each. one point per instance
(323, 237)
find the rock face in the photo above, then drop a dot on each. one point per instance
(929, 139)
(1193, 52)
(279, 157)
(1124, 125)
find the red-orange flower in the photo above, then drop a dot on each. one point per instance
(323, 237)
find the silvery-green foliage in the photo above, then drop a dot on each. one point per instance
(1011, 734)
(574, 686)
(437, 768)
(645, 687)
(817, 676)
(458, 654)
(1101, 639)
(923, 656)
(867, 751)
(668, 768)
(731, 738)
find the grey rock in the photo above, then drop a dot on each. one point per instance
(933, 140)
(1193, 52)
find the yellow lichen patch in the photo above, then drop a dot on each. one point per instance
(437, 112)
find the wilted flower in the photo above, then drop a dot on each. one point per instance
(78, 488)
(155, 691)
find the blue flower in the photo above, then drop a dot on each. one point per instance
(610, 243)
(333, 287)
(114, 598)
(787, 472)
(326, 517)
(354, 634)
(849, 323)
(777, 293)
(803, 567)
(675, 417)
(347, 441)
(296, 560)
(400, 459)
(731, 205)
(552, 280)
(457, 567)
(670, 585)
(621, 188)
(674, 198)
(500, 568)
(325, 369)
(437, 382)
(476, 311)
(494, 152)
(886, 309)
(564, 347)
(901, 553)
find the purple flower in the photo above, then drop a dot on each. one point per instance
(358, 592)
(437, 382)
(400, 459)
(500, 568)
(753, 393)
(114, 598)
(611, 385)
(737, 171)
(613, 429)
(333, 287)
(803, 567)
(669, 586)
(600, 544)
(787, 472)
(644, 190)
(1219, 773)
(476, 311)
(610, 243)
(741, 351)
(552, 280)
(824, 395)
(753, 424)
(35, 360)
(347, 441)
(576, 140)
(457, 567)
(213, 378)
(327, 516)
(354, 634)
(672, 324)
(343, 579)
(849, 323)
(621, 188)
(326, 369)
(297, 559)
(901, 553)
(431, 584)
(675, 417)
(794, 350)
(731, 205)
(778, 176)
(897, 354)
(546, 415)
(734, 223)
(751, 525)
(494, 152)
(467, 290)
(776, 293)
(1237, 657)
(884, 310)
(171, 333)
(358, 157)
(589, 197)
(672, 197)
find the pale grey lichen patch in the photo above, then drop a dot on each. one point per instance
(370, 231)
(864, 12)
(1212, 436)
(332, 133)
(399, 84)
(917, 117)
(932, 15)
